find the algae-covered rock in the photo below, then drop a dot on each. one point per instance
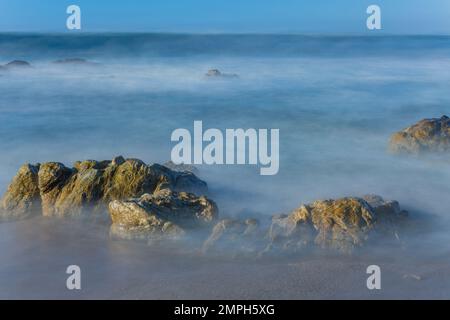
(165, 213)
(22, 199)
(428, 135)
(52, 189)
(343, 224)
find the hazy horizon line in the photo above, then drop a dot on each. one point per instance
(212, 33)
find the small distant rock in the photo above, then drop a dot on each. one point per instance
(412, 276)
(215, 73)
(426, 136)
(74, 61)
(17, 64)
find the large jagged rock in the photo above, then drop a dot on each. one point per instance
(428, 135)
(22, 199)
(234, 236)
(53, 189)
(163, 214)
(341, 224)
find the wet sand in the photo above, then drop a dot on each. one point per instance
(35, 253)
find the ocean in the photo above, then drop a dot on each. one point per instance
(335, 99)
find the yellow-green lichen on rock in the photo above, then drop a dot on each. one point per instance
(342, 224)
(426, 136)
(163, 214)
(22, 198)
(52, 189)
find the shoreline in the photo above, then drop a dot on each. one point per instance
(36, 262)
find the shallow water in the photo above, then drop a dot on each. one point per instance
(336, 100)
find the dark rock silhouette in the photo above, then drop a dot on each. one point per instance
(215, 73)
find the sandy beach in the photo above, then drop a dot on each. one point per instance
(37, 252)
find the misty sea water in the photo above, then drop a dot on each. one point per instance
(335, 99)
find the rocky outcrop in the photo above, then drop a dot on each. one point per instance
(215, 73)
(233, 235)
(163, 214)
(22, 198)
(428, 135)
(52, 189)
(341, 224)
(153, 202)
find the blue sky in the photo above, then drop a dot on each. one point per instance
(265, 16)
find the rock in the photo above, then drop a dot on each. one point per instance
(231, 235)
(17, 64)
(180, 180)
(341, 224)
(428, 135)
(390, 217)
(74, 61)
(181, 167)
(117, 161)
(215, 73)
(412, 276)
(163, 214)
(22, 199)
(290, 232)
(52, 189)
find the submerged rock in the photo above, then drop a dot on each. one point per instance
(341, 224)
(163, 214)
(232, 235)
(52, 189)
(215, 73)
(74, 61)
(428, 135)
(17, 64)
